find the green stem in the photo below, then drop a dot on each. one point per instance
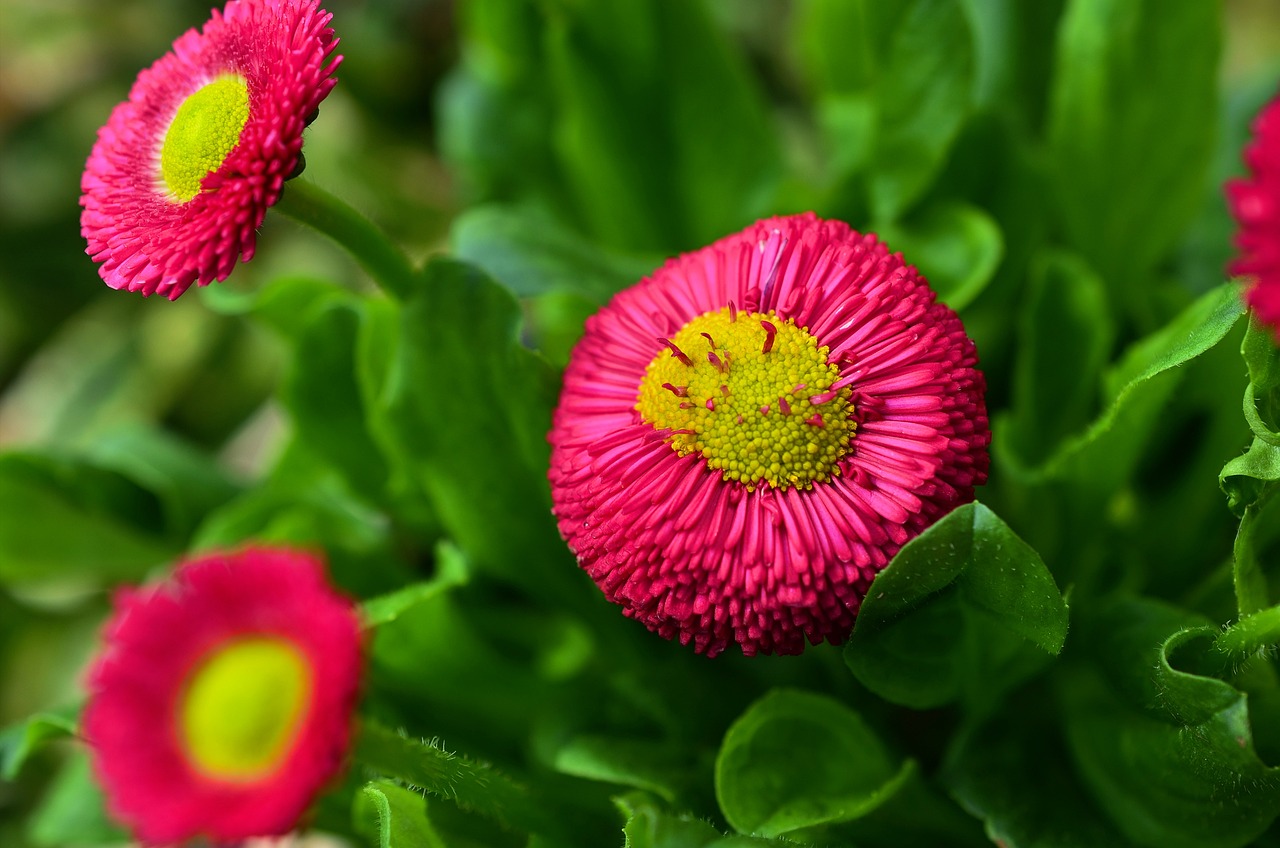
(1252, 592)
(386, 263)
(1250, 634)
(472, 785)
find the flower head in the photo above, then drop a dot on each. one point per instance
(746, 437)
(182, 174)
(1255, 202)
(222, 700)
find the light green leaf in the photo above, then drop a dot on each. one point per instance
(390, 816)
(21, 740)
(956, 246)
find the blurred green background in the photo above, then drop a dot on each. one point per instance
(79, 362)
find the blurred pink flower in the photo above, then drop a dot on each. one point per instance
(1255, 203)
(182, 174)
(746, 437)
(222, 700)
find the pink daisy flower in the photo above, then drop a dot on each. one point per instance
(222, 701)
(746, 437)
(1255, 203)
(182, 174)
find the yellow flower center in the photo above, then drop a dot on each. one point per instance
(204, 131)
(753, 394)
(242, 707)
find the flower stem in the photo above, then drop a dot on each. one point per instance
(1251, 634)
(386, 263)
(472, 785)
(1250, 581)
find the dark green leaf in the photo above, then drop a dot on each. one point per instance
(1199, 785)
(1065, 337)
(893, 80)
(114, 538)
(324, 398)
(956, 246)
(663, 136)
(20, 741)
(965, 610)
(1135, 390)
(451, 571)
(795, 760)
(1013, 771)
(1131, 129)
(650, 826)
(531, 253)
(466, 409)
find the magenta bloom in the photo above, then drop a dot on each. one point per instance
(223, 699)
(746, 437)
(1255, 202)
(182, 175)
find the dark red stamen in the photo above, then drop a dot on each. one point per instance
(710, 340)
(825, 397)
(724, 390)
(815, 420)
(733, 312)
(770, 331)
(711, 403)
(784, 406)
(677, 352)
(715, 360)
(678, 391)
(686, 405)
(764, 410)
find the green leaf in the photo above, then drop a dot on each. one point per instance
(1135, 390)
(390, 816)
(322, 393)
(188, 483)
(466, 409)
(1065, 337)
(676, 103)
(956, 246)
(531, 253)
(18, 742)
(635, 763)
(72, 812)
(78, 521)
(451, 571)
(1013, 771)
(794, 760)
(1130, 129)
(1182, 774)
(966, 610)
(650, 826)
(894, 80)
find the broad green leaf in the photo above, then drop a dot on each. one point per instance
(76, 521)
(635, 763)
(893, 80)
(188, 484)
(1135, 390)
(1131, 129)
(966, 610)
(650, 826)
(465, 409)
(324, 398)
(390, 816)
(1169, 784)
(794, 760)
(72, 812)
(1065, 336)
(674, 101)
(1013, 772)
(956, 246)
(21, 740)
(531, 253)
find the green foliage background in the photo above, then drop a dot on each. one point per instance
(1052, 666)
